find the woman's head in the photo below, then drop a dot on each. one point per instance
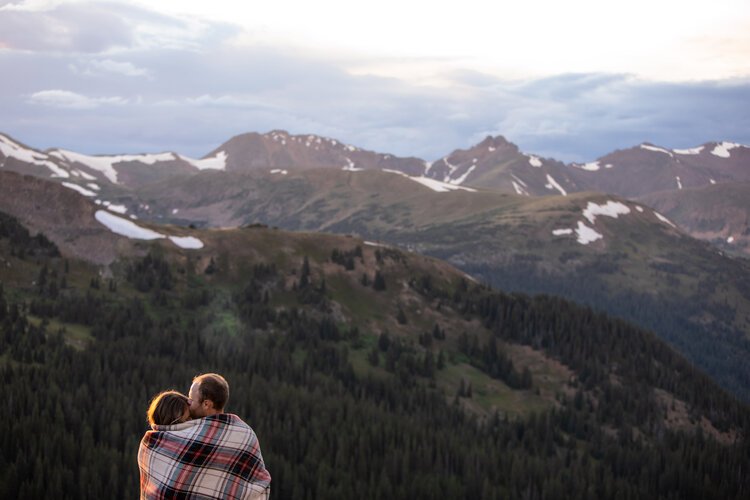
(168, 408)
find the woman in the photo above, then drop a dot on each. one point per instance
(168, 408)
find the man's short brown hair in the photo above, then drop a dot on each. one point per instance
(213, 387)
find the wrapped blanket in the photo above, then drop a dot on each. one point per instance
(211, 457)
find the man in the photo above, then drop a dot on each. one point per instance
(215, 455)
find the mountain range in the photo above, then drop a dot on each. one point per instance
(368, 367)
(514, 220)
(645, 172)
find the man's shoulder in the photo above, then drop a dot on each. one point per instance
(226, 419)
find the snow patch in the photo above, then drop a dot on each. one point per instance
(451, 169)
(664, 219)
(679, 182)
(373, 244)
(279, 171)
(519, 180)
(554, 185)
(730, 239)
(93, 186)
(519, 189)
(124, 227)
(391, 171)
(129, 229)
(350, 166)
(11, 149)
(586, 234)
(562, 232)
(175, 210)
(120, 209)
(591, 166)
(491, 149)
(188, 242)
(427, 167)
(83, 174)
(215, 162)
(440, 187)
(105, 164)
(611, 209)
(534, 161)
(712, 181)
(657, 149)
(722, 150)
(639, 208)
(692, 151)
(461, 179)
(76, 187)
(435, 185)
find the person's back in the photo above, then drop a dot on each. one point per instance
(215, 455)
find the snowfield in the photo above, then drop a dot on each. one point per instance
(610, 209)
(187, 242)
(554, 185)
(216, 162)
(76, 187)
(129, 229)
(437, 186)
(664, 219)
(657, 149)
(11, 149)
(723, 150)
(587, 234)
(124, 227)
(691, 151)
(105, 164)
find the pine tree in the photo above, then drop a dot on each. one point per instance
(401, 316)
(304, 279)
(379, 282)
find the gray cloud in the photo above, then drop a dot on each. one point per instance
(195, 91)
(107, 66)
(70, 100)
(81, 28)
(96, 27)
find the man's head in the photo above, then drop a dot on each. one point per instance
(208, 395)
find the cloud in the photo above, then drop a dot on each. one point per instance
(195, 90)
(97, 27)
(71, 100)
(108, 66)
(76, 27)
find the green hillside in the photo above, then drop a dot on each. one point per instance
(642, 269)
(365, 371)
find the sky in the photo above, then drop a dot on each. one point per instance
(568, 80)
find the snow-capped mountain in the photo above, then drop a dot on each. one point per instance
(498, 164)
(280, 150)
(493, 164)
(89, 171)
(648, 168)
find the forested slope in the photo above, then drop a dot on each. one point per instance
(347, 403)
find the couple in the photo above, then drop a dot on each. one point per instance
(195, 450)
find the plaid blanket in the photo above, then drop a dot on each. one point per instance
(211, 457)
